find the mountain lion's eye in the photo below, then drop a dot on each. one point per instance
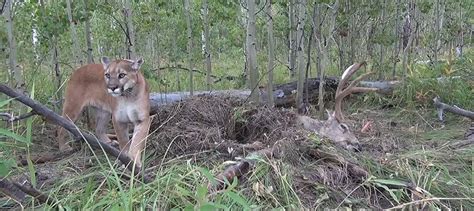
(121, 75)
(107, 75)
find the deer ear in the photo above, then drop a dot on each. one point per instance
(137, 64)
(331, 115)
(105, 61)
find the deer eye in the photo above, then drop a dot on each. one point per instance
(107, 75)
(344, 127)
(121, 75)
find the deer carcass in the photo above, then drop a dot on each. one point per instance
(334, 127)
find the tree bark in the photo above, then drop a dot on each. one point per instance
(57, 72)
(190, 45)
(90, 57)
(174, 57)
(453, 109)
(130, 36)
(207, 49)
(271, 54)
(325, 45)
(251, 41)
(301, 7)
(75, 52)
(292, 37)
(16, 76)
(396, 50)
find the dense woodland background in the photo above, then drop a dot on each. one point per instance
(244, 44)
(52, 38)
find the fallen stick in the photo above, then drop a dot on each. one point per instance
(10, 190)
(42, 158)
(40, 196)
(10, 118)
(453, 109)
(73, 129)
(242, 167)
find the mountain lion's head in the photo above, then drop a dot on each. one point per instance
(121, 75)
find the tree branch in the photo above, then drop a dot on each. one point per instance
(453, 109)
(10, 118)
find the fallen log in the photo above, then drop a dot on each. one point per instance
(10, 190)
(440, 106)
(283, 94)
(73, 129)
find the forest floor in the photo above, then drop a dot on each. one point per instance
(408, 156)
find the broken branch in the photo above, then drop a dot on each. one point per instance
(453, 109)
(7, 188)
(42, 197)
(10, 118)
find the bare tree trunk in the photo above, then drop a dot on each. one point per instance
(292, 37)
(190, 45)
(396, 50)
(76, 51)
(252, 52)
(89, 113)
(16, 76)
(409, 42)
(461, 39)
(57, 72)
(90, 57)
(326, 35)
(175, 56)
(437, 28)
(301, 8)
(207, 51)
(130, 31)
(271, 54)
(351, 34)
(382, 45)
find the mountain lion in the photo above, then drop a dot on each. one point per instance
(114, 88)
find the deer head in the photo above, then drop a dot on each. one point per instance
(334, 127)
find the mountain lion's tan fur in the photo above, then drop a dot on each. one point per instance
(114, 88)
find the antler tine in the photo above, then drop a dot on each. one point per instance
(347, 74)
(342, 92)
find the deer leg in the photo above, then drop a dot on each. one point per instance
(140, 133)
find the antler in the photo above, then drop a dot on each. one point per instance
(342, 91)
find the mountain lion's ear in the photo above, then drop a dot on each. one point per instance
(105, 61)
(137, 64)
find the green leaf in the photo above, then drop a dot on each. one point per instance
(189, 208)
(13, 135)
(31, 170)
(390, 191)
(5, 102)
(390, 182)
(6, 166)
(208, 207)
(238, 199)
(182, 191)
(201, 194)
(208, 175)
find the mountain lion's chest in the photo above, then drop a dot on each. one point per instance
(128, 111)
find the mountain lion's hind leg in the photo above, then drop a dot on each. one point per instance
(71, 111)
